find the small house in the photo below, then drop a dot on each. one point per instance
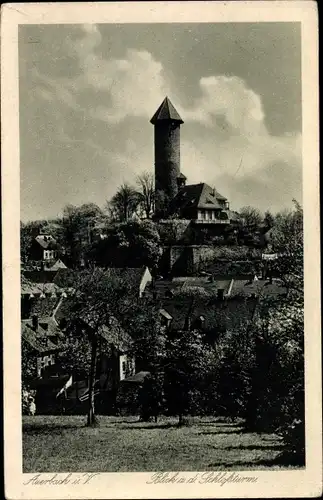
(202, 204)
(44, 248)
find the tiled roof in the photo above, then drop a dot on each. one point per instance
(39, 339)
(132, 275)
(59, 264)
(216, 313)
(39, 288)
(176, 285)
(38, 276)
(166, 111)
(197, 196)
(46, 241)
(50, 327)
(232, 286)
(259, 287)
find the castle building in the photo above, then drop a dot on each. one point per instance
(198, 202)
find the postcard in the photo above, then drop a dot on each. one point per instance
(161, 250)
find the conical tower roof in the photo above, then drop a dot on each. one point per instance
(166, 111)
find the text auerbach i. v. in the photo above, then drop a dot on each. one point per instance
(55, 480)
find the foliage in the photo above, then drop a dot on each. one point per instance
(129, 244)
(28, 363)
(28, 373)
(162, 202)
(269, 219)
(77, 228)
(287, 242)
(124, 203)
(174, 231)
(148, 338)
(151, 396)
(251, 217)
(145, 182)
(99, 299)
(28, 406)
(282, 329)
(188, 360)
(280, 347)
(29, 231)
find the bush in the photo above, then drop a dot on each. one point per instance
(28, 402)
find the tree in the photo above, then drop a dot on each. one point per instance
(173, 231)
(151, 396)
(124, 203)
(279, 356)
(188, 360)
(162, 201)
(76, 233)
(269, 219)
(279, 344)
(287, 242)
(193, 294)
(99, 299)
(29, 231)
(251, 217)
(145, 181)
(129, 244)
(148, 337)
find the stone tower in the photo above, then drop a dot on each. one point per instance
(167, 124)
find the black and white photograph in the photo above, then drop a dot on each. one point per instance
(162, 229)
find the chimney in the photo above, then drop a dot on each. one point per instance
(220, 293)
(35, 322)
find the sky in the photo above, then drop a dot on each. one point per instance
(87, 93)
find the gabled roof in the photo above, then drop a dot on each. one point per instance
(41, 276)
(215, 313)
(46, 241)
(61, 278)
(132, 275)
(38, 289)
(39, 340)
(166, 111)
(59, 264)
(116, 335)
(197, 196)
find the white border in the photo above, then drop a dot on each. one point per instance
(293, 483)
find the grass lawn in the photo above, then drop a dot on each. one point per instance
(122, 444)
